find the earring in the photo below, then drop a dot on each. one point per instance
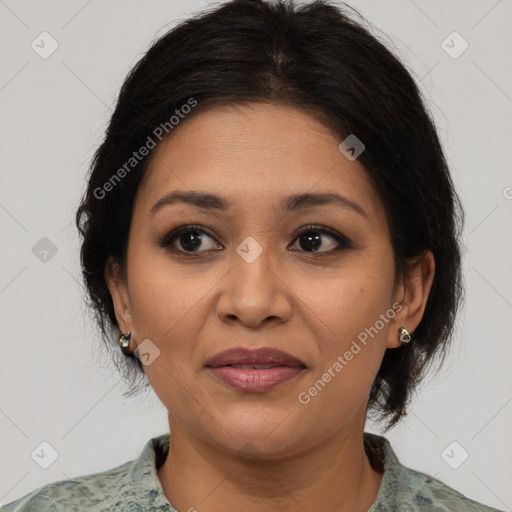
(404, 335)
(124, 342)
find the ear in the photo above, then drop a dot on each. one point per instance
(118, 288)
(412, 294)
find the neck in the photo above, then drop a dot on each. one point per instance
(335, 476)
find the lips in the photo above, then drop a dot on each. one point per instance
(255, 371)
(259, 358)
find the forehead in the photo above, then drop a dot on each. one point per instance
(255, 155)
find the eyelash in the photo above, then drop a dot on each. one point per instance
(167, 240)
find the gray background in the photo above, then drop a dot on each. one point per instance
(55, 385)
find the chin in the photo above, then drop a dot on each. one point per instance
(254, 436)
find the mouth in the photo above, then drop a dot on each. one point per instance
(253, 366)
(264, 357)
(255, 370)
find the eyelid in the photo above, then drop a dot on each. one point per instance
(339, 237)
(166, 240)
(343, 241)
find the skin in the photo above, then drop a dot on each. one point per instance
(233, 450)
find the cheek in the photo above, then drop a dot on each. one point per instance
(350, 355)
(166, 301)
(350, 304)
(354, 317)
(168, 309)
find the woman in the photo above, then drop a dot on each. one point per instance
(271, 231)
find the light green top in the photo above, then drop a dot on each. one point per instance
(134, 486)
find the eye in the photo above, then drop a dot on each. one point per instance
(192, 237)
(310, 239)
(189, 237)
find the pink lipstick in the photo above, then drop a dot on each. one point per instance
(255, 370)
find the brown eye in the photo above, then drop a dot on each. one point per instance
(188, 239)
(313, 239)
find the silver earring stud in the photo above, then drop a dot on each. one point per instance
(404, 335)
(124, 342)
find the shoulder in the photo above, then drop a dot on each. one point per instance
(406, 490)
(95, 492)
(130, 487)
(421, 492)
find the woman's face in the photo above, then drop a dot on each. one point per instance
(252, 280)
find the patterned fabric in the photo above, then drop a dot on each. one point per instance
(134, 487)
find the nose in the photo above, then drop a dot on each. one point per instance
(255, 292)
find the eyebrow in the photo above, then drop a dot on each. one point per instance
(291, 203)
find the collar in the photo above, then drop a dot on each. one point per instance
(147, 489)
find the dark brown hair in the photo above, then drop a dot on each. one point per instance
(318, 58)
